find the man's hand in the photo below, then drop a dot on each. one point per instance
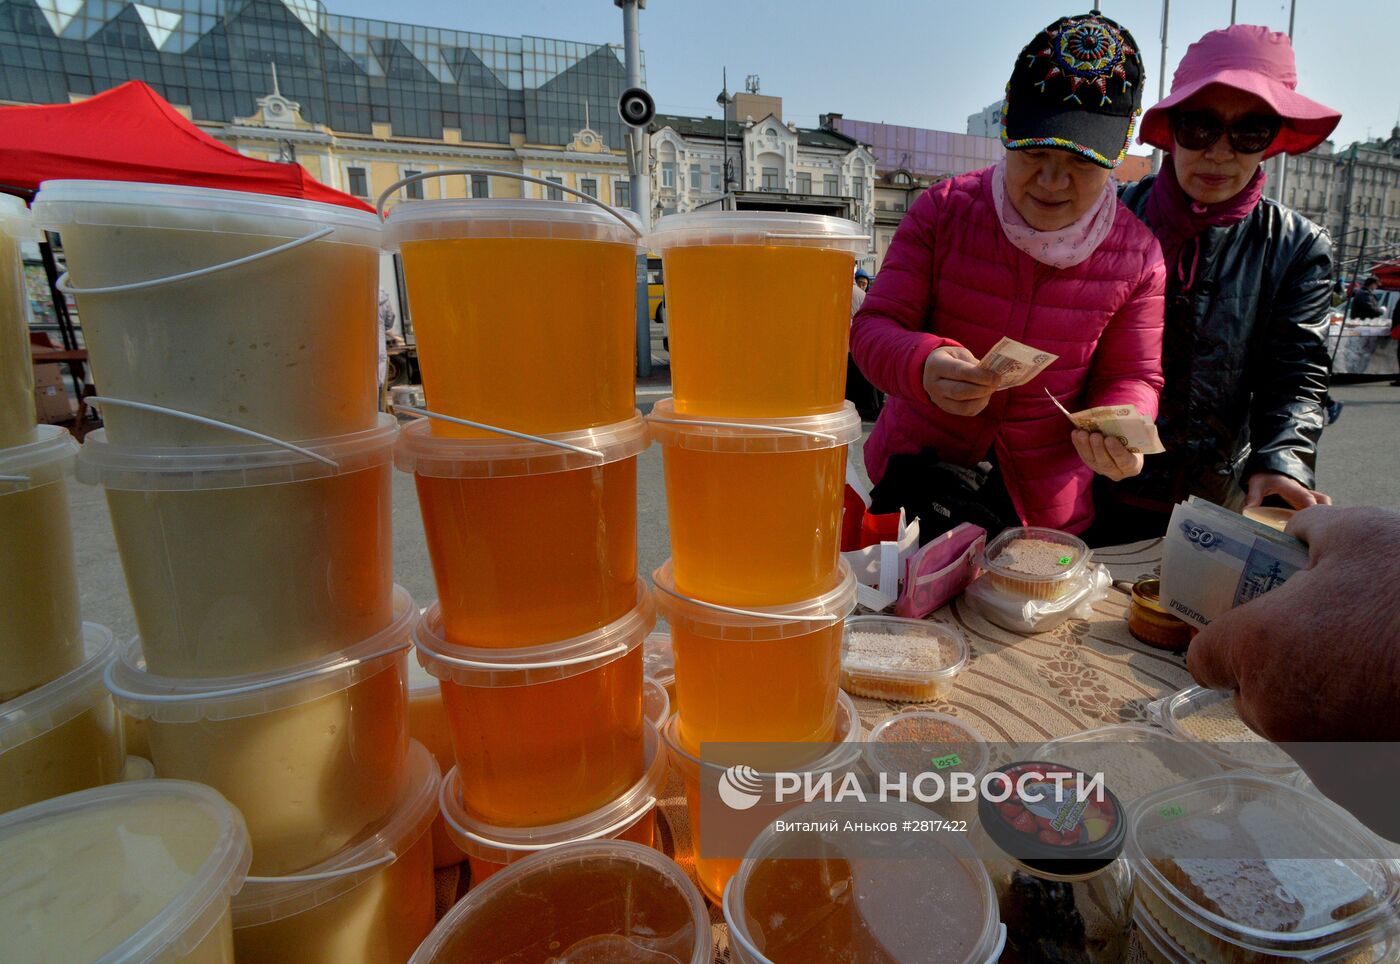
(1261, 485)
(1106, 456)
(954, 382)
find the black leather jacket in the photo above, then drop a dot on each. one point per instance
(1245, 359)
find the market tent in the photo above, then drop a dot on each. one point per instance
(1388, 274)
(131, 133)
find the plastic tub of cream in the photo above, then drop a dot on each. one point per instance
(17, 416)
(597, 900)
(312, 758)
(64, 736)
(41, 632)
(371, 902)
(302, 565)
(135, 873)
(1035, 562)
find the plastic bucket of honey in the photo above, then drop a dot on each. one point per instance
(758, 308)
(754, 506)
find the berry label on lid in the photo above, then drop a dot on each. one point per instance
(944, 762)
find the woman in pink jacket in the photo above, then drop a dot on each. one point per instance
(1037, 249)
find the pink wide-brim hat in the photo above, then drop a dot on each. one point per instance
(1257, 61)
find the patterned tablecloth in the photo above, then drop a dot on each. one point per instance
(1081, 675)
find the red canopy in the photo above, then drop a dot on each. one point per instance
(131, 133)
(1388, 274)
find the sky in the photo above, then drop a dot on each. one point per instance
(924, 63)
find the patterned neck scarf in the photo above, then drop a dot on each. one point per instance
(1065, 247)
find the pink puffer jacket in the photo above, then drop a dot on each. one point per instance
(951, 277)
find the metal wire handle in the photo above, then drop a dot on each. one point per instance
(100, 400)
(63, 285)
(383, 860)
(617, 650)
(798, 236)
(753, 613)
(14, 478)
(541, 439)
(782, 429)
(477, 171)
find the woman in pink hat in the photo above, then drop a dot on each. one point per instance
(1245, 352)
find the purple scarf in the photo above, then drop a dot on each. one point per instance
(1178, 220)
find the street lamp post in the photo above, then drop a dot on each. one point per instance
(640, 175)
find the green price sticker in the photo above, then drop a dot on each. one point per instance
(1066, 560)
(944, 762)
(1171, 812)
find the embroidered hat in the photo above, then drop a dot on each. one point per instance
(1076, 87)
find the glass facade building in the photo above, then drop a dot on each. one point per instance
(348, 73)
(926, 153)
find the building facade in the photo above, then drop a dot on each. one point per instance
(1364, 202)
(986, 122)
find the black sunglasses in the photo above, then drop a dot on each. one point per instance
(1197, 130)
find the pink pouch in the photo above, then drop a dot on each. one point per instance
(940, 570)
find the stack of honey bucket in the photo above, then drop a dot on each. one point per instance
(525, 469)
(754, 450)
(247, 473)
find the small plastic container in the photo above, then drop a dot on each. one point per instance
(311, 757)
(511, 522)
(543, 734)
(41, 631)
(728, 659)
(632, 816)
(906, 660)
(1150, 623)
(371, 902)
(136, 872)
(17, 415)
(659, 661)
(913, 742)
(1014, 611)
(251, 558)
(1043, 574)
(64, 736)
(701, 776)
(1243, 869)
(545, 342)
(1136, 760)
(137, 768)
(1208, 719)
(597, 900)
(843, 895)
(656, 705)
(285, 344)
(754, 505)
(758, 307)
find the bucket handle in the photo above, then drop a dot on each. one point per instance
(14, 478)
(617, 650)
(477, 171)
(100, 400)
(752, 613)
(121, 692)
(799, 236)
(383, 860)
(781, 429)
(63, 285)
(541, 439)
(606, 832)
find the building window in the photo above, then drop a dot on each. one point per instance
(695, 177)
(481, 185)
(831, 185)
(414, 191)
(716, 177)
(770, 179)
(554, 194)
(589, 186)
(359, 183)
(668, 174)
(804, 183)
(622, 194)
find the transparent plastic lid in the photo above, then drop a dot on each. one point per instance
(1035, 556)
(504, 845)
(904, 743)
(1262, 867)
(1209, 719)
(173, 699)
(527, 665)
(530, 909)
(423, 453)
(754, 623)
(60, 205)
(453, 218)
(15, 220)
(40, 710)
(188, 917)
(267, 899)
(46, 459)
(1136, 760)
(912, 651)
(768, 228)
(656, 705)
(133, 468)
(753, 436)
(955, 921)
(658, 658)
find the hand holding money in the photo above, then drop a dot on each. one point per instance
(1014, 363)
(955, 382)
(1135, 431)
